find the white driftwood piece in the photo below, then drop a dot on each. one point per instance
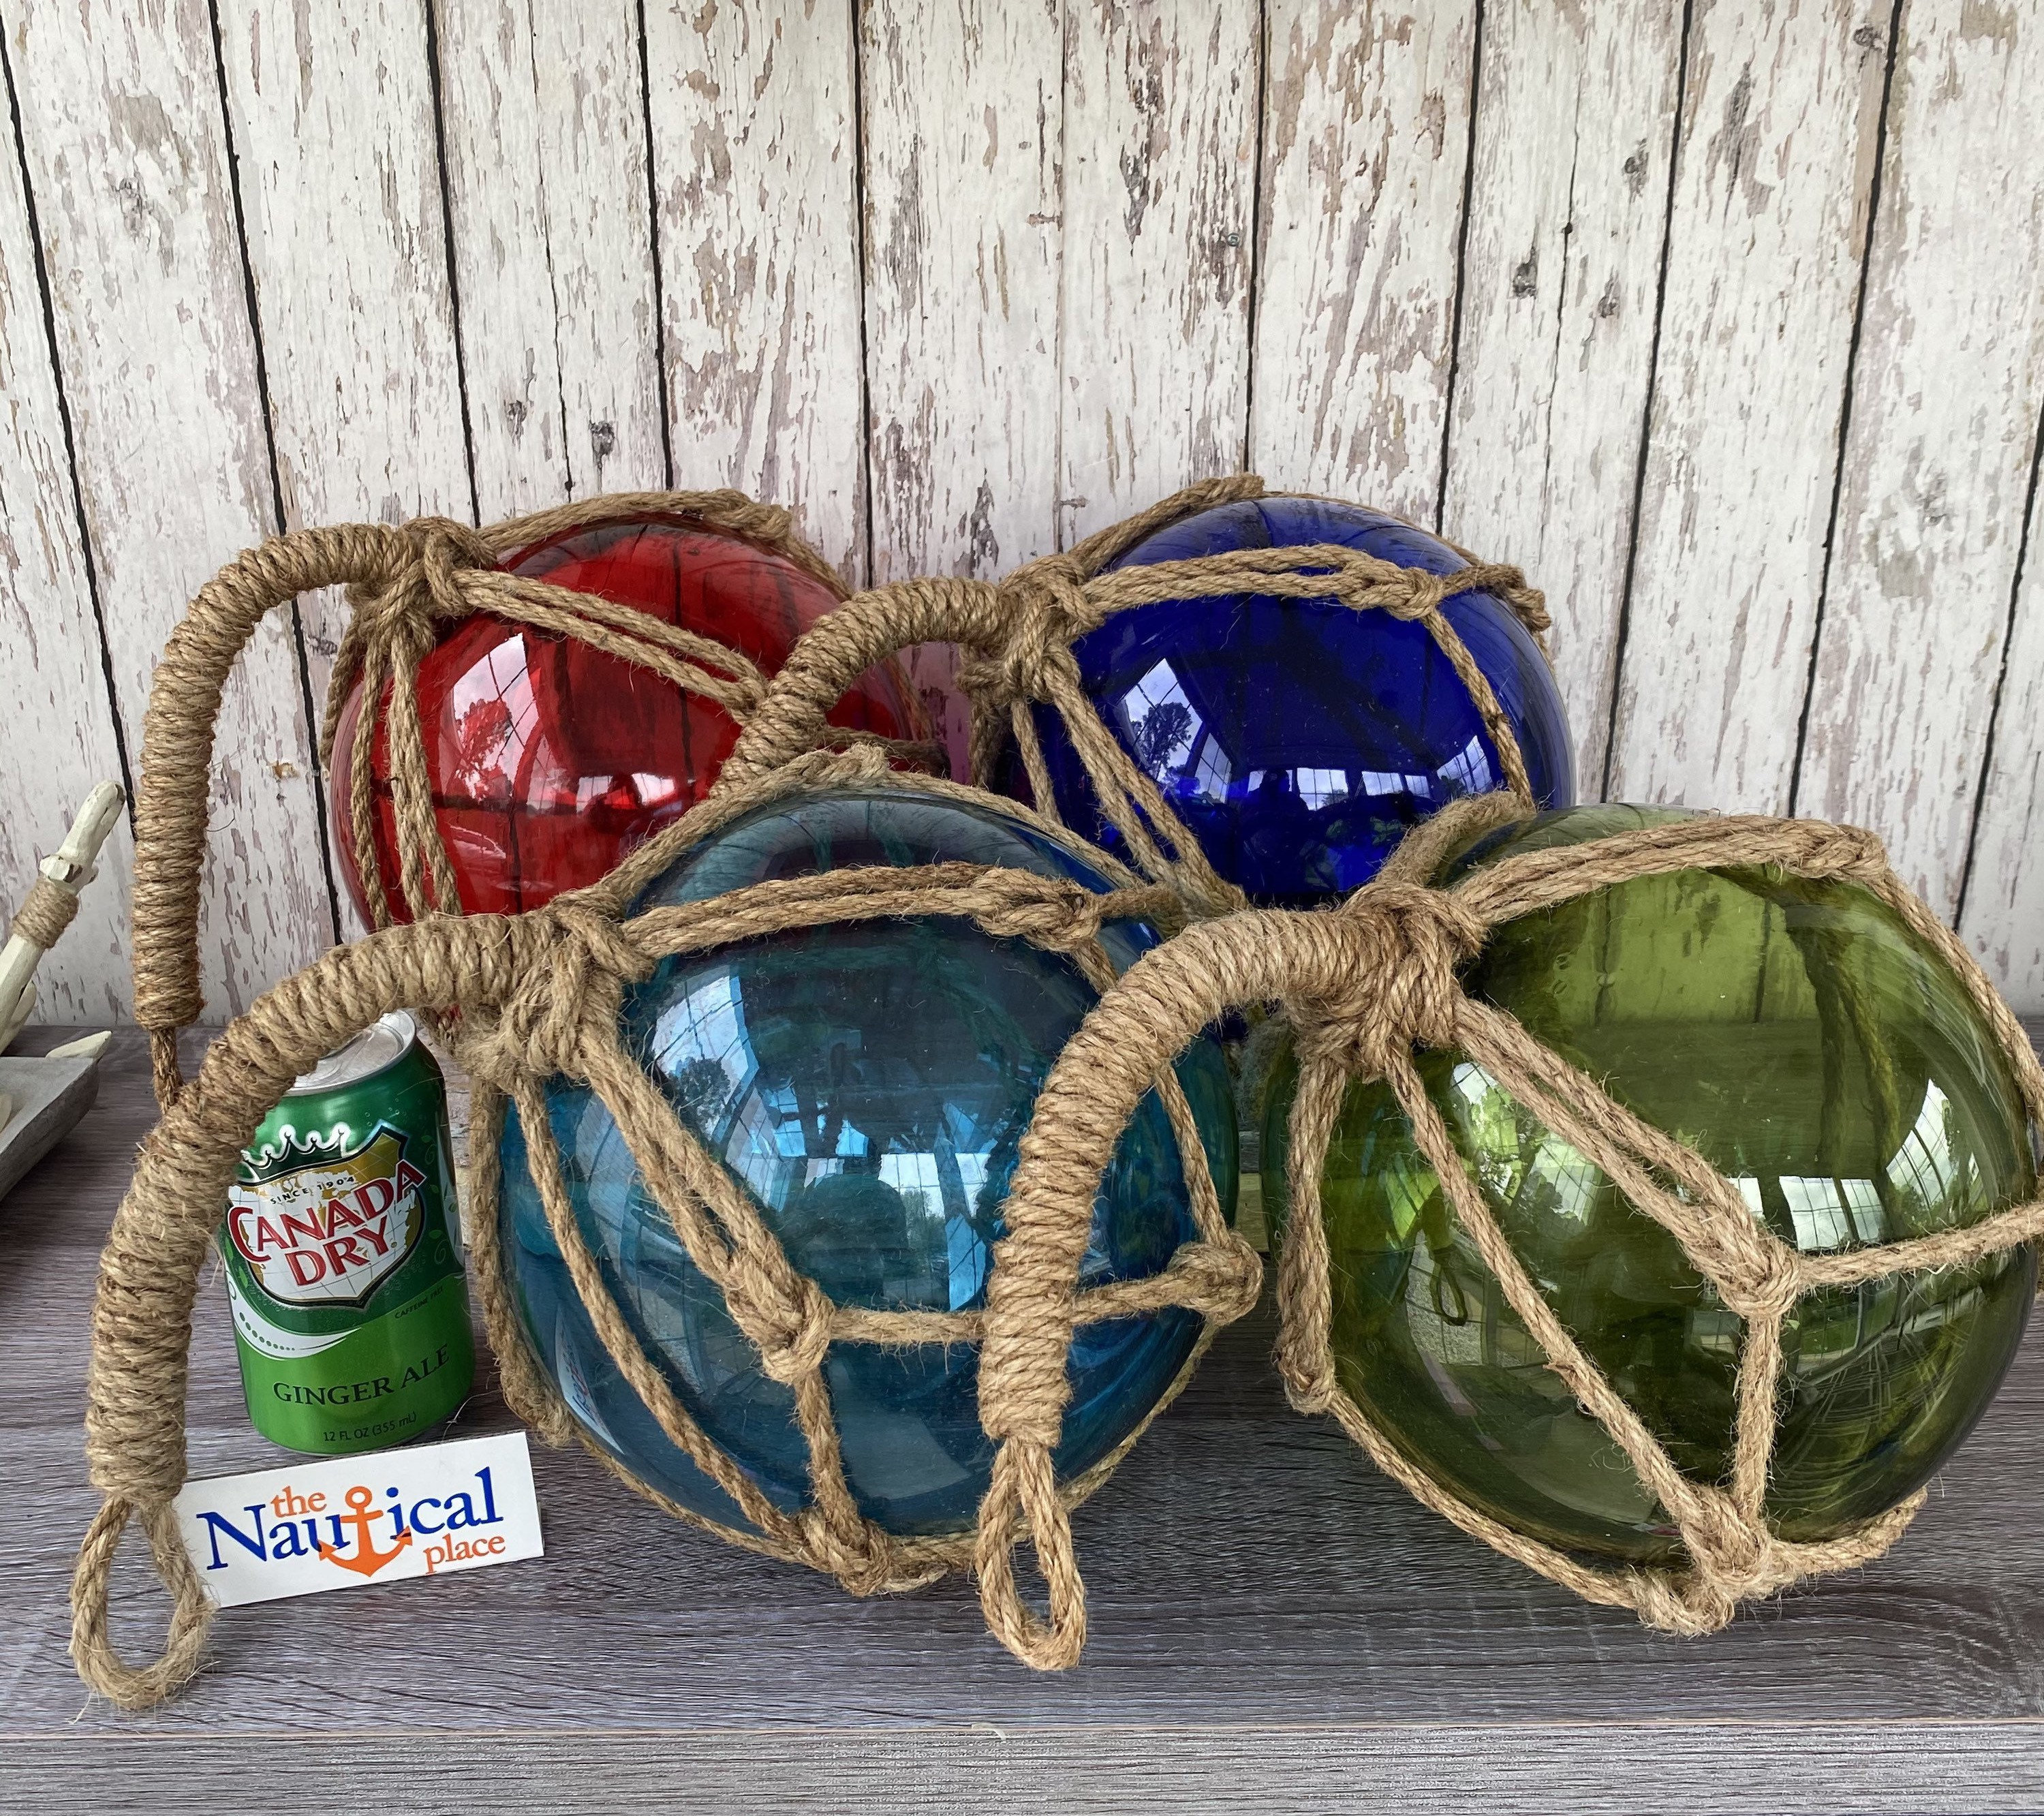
(70, 868)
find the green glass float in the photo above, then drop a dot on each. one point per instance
(1800, 1039)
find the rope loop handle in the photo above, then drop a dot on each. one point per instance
(401, 581)
(1017, 636)
(1366, 986)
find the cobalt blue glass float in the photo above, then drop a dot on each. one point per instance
(1299, 740)
(868, 1084)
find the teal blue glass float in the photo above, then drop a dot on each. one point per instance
(1299, 740)
(868, 1085)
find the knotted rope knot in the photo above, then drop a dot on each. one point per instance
(1733, 1558)
(398, 608)
(1406, 943)
(1416, 594)
(1065, 917)
(572, 965)
(1849, 852)
(1528, 604)
(1692, 1604)
(854, 758)
(859, 1556)
(1226, 1279)
(1308, 1389)
(786, 1315)
(1043, 607)
(1764, 1280)
(444, 548)
(1049, 590)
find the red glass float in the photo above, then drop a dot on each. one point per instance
(550, 759)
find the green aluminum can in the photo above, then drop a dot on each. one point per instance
(350, 1312)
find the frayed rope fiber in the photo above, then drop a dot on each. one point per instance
(524, 998)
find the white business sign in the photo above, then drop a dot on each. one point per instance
(339, 1522)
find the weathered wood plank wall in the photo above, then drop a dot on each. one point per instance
(1726, 317)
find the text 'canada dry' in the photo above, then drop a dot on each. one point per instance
(350, 1313)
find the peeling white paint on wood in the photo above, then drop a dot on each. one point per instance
(1772, 180)
(1160, 142)
(52, 686)
(121, 119)
(545, 130)
(2003, 917)
(1930, 510)
(755, 150)
(1053, 324)
(1574, 127)
(963, 135)
(352, 299)
(1366, 152)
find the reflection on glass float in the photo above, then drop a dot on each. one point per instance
(1800, 1038)
(1300, 739)
(867, 1085)
(550, 760)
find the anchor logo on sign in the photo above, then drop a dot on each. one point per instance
(367, 1559)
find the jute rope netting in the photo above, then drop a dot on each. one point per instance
(1367, 985)
(404, 583)
(532, 997)
(537, 995)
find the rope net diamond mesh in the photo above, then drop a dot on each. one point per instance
(525, 997)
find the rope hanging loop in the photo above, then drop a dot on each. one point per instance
(404, 584)
(1730, 1552)
(535, 997)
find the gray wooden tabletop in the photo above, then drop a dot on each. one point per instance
(1274, 1626)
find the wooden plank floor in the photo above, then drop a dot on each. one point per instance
(1272, 1622)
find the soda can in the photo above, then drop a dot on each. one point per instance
(351, 1311)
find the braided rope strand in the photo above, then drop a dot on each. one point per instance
(529, 997)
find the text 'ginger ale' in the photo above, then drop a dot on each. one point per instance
(350, 1312)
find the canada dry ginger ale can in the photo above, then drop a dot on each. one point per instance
(350, 1312)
